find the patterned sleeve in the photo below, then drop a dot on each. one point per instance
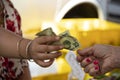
(10, 68)
(1, 14)
(24, 63)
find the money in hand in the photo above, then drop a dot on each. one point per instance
(69, 42)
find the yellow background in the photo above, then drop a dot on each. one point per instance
(87, 31)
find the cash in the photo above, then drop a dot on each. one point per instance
(46, 32)
(69, 42)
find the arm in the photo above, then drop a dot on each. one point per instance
(8, 44)
(9, 40)
(8, 47)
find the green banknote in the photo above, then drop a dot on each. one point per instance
(69, 42)
(46, 32)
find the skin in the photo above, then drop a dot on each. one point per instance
(36, 51)
(6, 36)
(107, 58)
(39, 48)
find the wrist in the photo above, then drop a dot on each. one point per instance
(23, 48)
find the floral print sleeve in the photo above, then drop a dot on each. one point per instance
(1, 14)
(11, 68)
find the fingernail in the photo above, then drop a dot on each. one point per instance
(95, 62)
(96, 67)
(88, 60)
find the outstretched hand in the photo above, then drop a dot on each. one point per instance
(40, 51)
(99, 59)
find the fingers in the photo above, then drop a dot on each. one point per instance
(86, 61)
(91, 65)
(92, 69)
(102, 62)
(47, 39)
(85, 52)
(43, 47)
(40, 51)
(48, 48)
(79, 58)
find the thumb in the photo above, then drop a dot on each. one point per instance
(86, 51)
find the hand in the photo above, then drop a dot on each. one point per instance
(99, 59)
(40, 51)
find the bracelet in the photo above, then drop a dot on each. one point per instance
(18, 48)
(27, 49)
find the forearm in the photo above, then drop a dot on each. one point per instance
(8, 44)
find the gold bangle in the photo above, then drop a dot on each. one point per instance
(27, 49)
(18, 48)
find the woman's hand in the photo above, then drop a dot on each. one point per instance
(40, 51)
(99, 59)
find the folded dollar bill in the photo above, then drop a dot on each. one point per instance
(69, 42)
(46, 32)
